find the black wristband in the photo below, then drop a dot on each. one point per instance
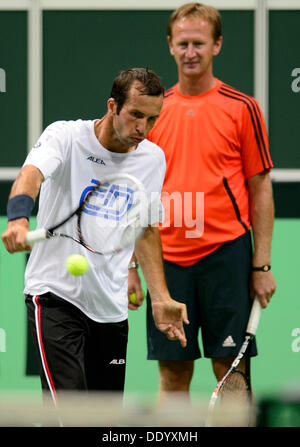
(19, 206)
(263, 268)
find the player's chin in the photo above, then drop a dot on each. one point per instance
(192, 67)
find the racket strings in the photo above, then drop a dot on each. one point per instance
(232, 407)
(235, 387)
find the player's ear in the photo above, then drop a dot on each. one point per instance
(112, 106)
(170, 45)
(217, 46)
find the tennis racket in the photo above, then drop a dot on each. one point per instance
(112, 215)
(234, 389)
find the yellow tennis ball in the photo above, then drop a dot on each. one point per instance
(133, 298)
(77, 265)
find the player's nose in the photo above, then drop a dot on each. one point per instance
(190, 51)
(141, 127)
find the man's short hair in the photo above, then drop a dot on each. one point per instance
(147, 82)
(206, 12)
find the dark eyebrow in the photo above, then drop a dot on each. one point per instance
(136, 111)
(185, 41)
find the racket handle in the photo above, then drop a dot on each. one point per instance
(254, 317)
(36, 236)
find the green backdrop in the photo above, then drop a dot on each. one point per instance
(97, 45)
(84, 50)
(13, 103)
(284, 103)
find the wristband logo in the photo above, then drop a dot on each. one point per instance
(2, 80)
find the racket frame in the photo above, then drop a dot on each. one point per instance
(42, 234)
(249, 335)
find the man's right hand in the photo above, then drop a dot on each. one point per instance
(14, 237)
(169, 316)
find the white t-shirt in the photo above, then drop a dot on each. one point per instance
(70, 157)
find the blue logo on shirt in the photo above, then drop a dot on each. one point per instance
(109, 201)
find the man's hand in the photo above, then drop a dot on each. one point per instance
(169, 317)
(14, 237)
(263, 285)
(28, 182)
(134, 285)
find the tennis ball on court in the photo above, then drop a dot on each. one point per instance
(133, 298)
(77, 265)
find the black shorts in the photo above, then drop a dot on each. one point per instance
(73, 351)
(216, 293)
